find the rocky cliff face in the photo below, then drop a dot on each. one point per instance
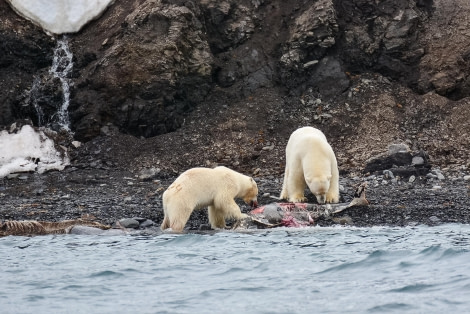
(142, 74)
(369, 73)
(25, 52)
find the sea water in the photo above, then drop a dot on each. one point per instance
(310, 270)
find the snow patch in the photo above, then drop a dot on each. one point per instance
(60, 16)
(29, 150)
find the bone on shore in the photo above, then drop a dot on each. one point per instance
(33, 227)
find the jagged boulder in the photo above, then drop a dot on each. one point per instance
(25, 52)
(228, 23)
(146, 75)
(313, 32)
(401, 160)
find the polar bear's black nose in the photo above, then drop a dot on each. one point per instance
(254, 204)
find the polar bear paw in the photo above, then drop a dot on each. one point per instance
(297, 199)
(243, 216)
(332, 198)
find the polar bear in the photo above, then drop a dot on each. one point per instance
(205, 187)
(310, 161)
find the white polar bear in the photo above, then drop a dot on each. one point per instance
(310, 161)
(204, 187)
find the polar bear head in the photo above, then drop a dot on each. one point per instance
(250, 193)
(319, 186)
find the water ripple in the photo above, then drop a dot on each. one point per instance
(414, 269)
(391, 307)
(413, 288)
(107, 273)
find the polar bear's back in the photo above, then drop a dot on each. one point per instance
(206, 183)
(195, 181)
(309, 150)
(308, 132)
(305, 138)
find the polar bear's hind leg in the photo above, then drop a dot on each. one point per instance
(166, 223)
(177, 223)
(176, 220)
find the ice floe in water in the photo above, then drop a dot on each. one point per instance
(29, 150)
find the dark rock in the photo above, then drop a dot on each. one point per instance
(85, 230)
(25, 52)
(328, 77)
(273, 213)
(312, 33)
(228, 24)
(408, 171)
(344, 220)
(204, 227)
(417, 161)
(129, 223)
(387, 162)
(139, 219)
(148, 174)
(399, 161)
(146, 224)
(166, 71)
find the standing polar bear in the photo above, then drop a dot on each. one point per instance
(310, 161)
(204, 187)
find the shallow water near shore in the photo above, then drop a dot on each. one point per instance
(380, 269)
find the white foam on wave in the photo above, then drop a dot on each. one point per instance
(29, 150)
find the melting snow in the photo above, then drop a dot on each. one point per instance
(60, 16)
(29, 150)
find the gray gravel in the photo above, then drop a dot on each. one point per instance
(110, 196)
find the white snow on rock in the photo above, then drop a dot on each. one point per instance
(29, 150)
(60, 16)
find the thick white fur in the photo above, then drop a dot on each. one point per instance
(310, 161)
(215, 188)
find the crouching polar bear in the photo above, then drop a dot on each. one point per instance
(310, 161)
(214, 188)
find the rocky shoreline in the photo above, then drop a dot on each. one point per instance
(111, 195)
(158, 87)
